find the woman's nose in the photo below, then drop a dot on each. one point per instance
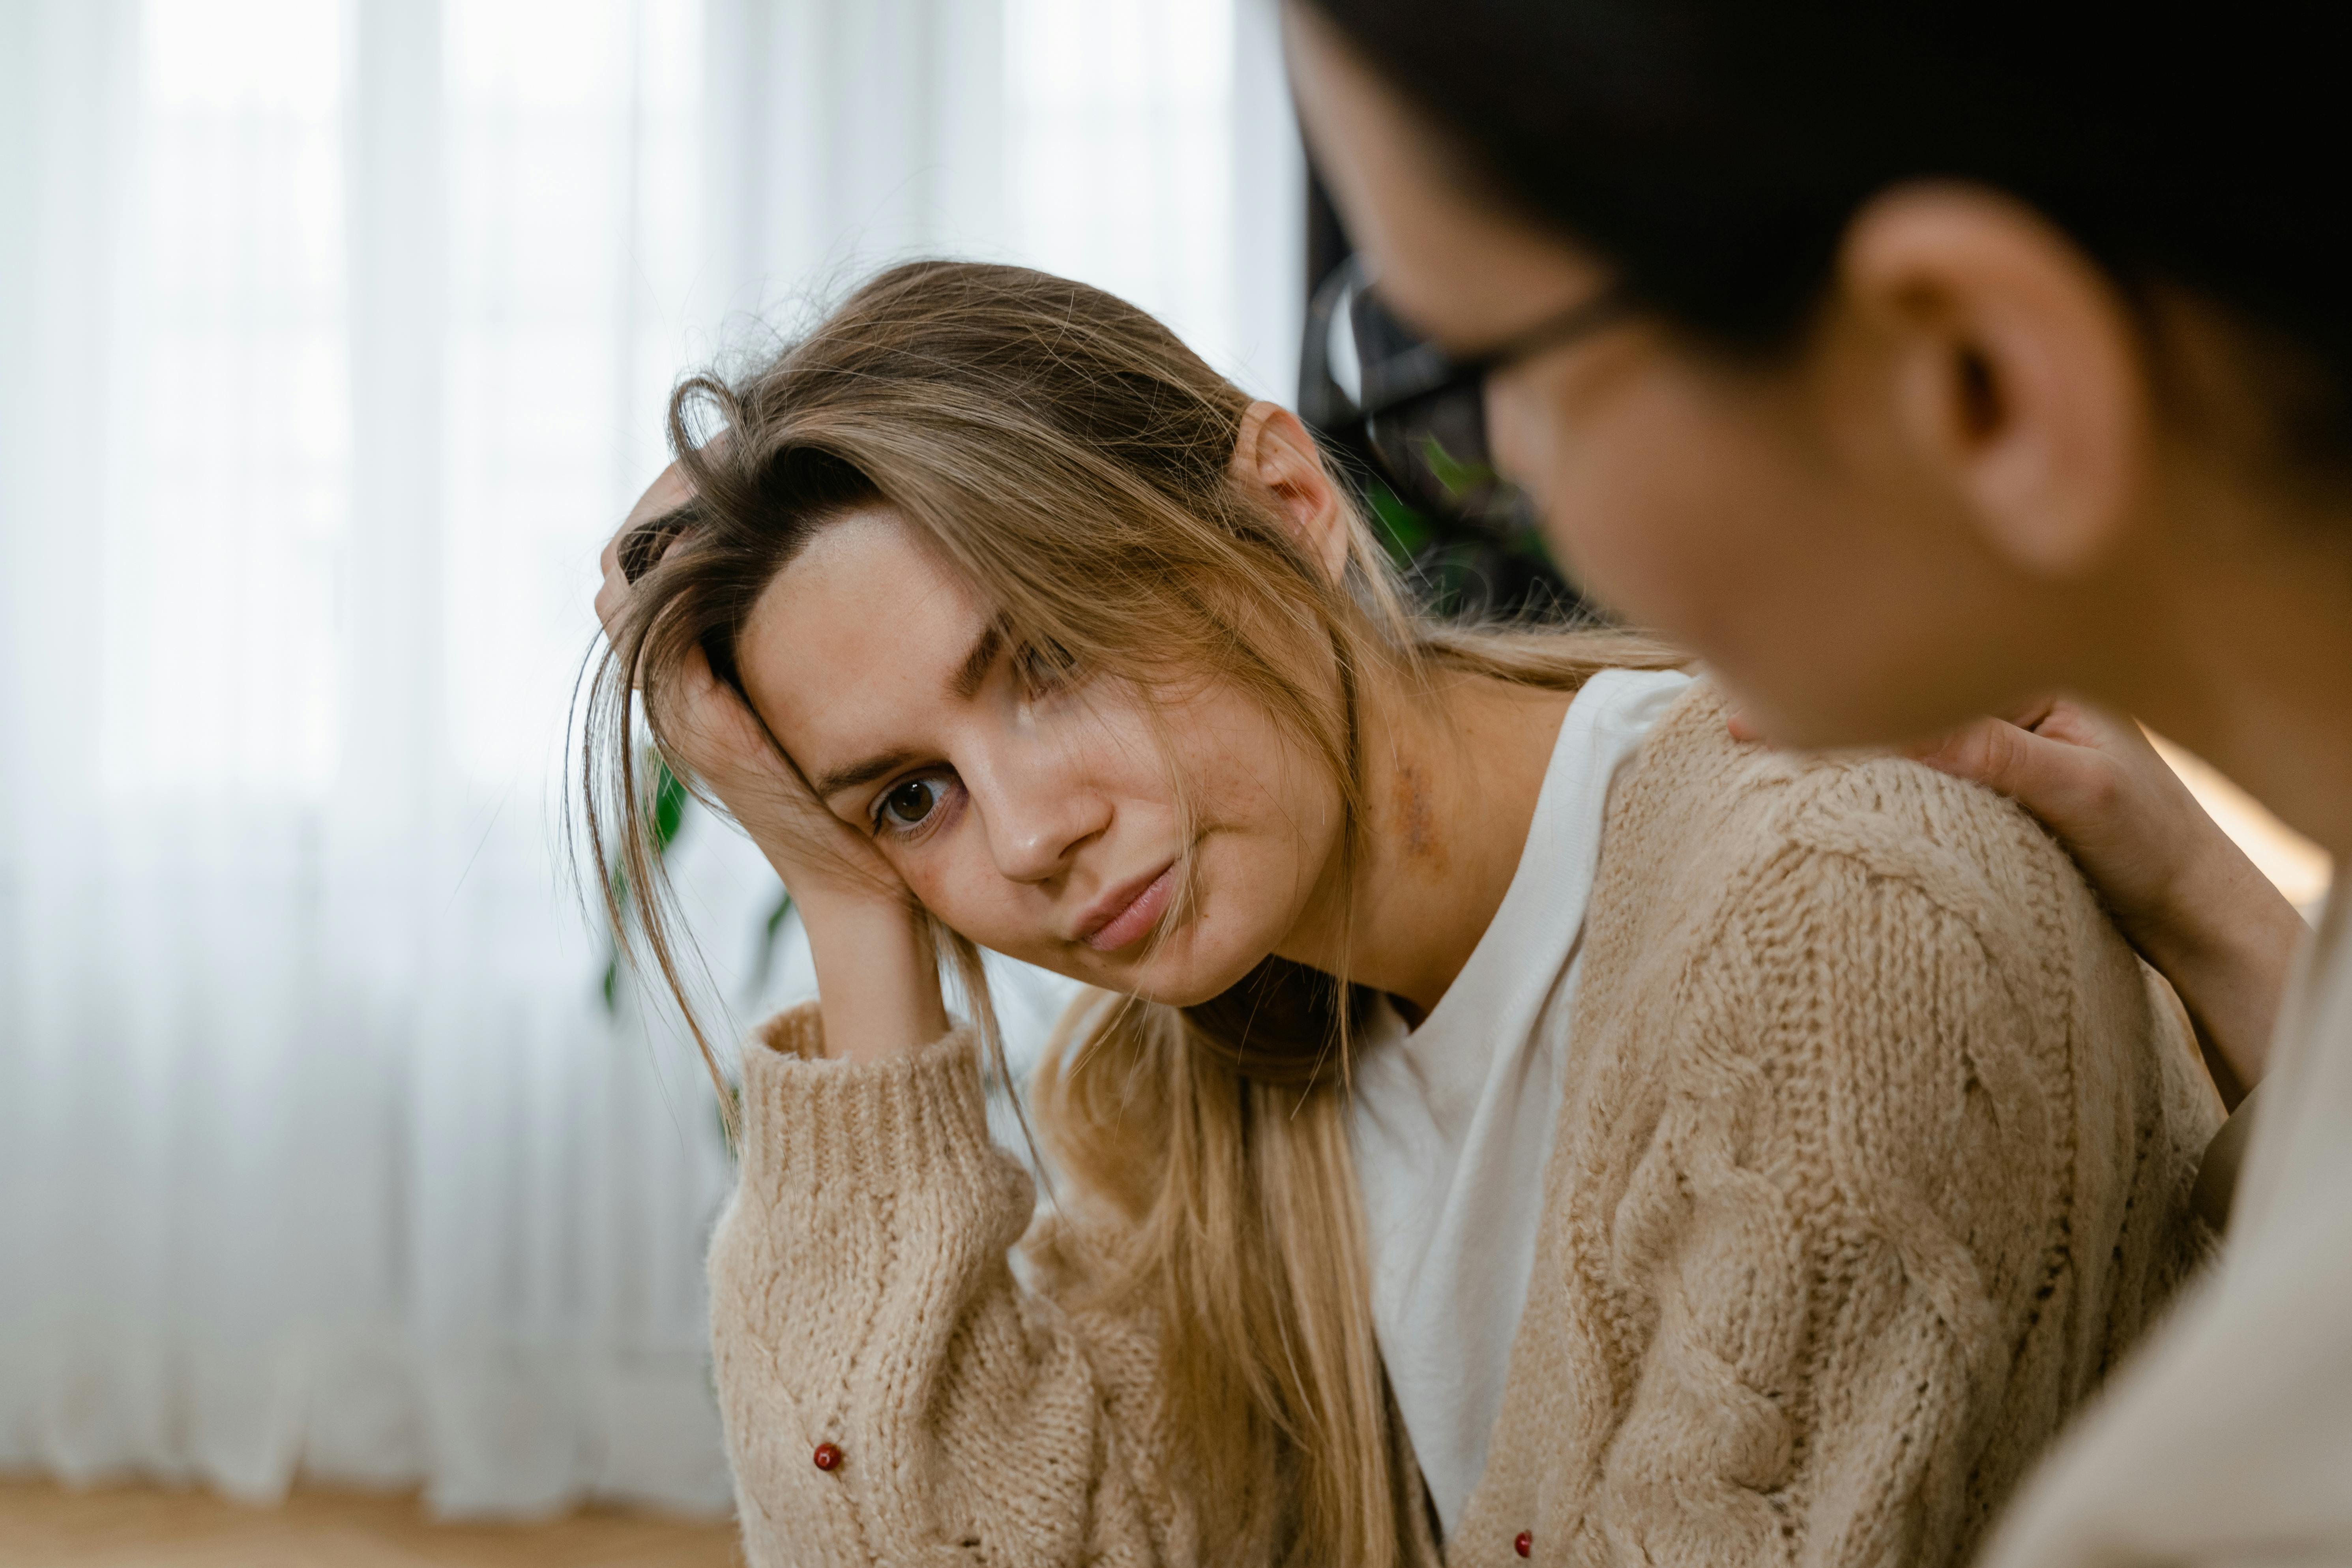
(1037, 811)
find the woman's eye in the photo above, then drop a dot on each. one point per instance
(910, 803)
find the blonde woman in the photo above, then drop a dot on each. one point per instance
(1513, 1121)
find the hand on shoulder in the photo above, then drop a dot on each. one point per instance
(2178, 887)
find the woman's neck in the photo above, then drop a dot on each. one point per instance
(1450, 782)
(2237, 643)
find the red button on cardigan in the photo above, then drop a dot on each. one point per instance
(1524, 1545)
(827, 1456)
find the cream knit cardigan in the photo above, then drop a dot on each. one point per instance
(1875, 1155)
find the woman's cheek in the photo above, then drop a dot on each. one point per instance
(1542, 426)
(943, 890)
(960, 887)
(1635, 508)
(1682, 520)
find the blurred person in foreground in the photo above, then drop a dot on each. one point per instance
(1905, 362)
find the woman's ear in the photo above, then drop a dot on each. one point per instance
(2015, 366)
(1275, 455)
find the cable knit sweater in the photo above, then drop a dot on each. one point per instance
(1875, 1155)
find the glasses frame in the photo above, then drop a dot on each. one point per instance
(1411, 420)
(1418, 415)
(1426, 371)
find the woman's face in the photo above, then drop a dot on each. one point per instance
(1034, 812)
(1774, 521)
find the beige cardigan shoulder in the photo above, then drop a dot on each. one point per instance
(1873, 1156)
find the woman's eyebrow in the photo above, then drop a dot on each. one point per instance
(964, 685)
(975, 666)
(857, 774)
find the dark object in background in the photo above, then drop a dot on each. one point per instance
(1465, 538)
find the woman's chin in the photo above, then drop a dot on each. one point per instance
(1177, 969)
(1179, 974)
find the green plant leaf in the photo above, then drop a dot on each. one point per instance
(670, 808)
(1455, 475)
(1402, 530)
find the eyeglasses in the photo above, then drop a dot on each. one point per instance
(1423, 414)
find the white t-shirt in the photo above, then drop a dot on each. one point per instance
(1451, 1123)
(2229, 1438)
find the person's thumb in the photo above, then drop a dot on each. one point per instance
(2053, 779)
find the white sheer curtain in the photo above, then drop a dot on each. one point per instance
(333, 338)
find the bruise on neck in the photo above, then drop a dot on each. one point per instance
(1415, 816)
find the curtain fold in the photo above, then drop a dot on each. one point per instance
(334, 338)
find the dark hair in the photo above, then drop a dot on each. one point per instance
(1715, 149)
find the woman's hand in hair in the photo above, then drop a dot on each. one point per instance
(707, 729)
(2179, 887)
(877, 975)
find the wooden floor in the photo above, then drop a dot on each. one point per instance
(45, 1526)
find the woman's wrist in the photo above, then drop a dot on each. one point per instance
(876, 973)
(2227, 940)
(878, 977)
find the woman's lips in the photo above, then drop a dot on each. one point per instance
(1143, 912)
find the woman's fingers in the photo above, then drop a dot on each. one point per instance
(2073, 777)
(2095, 780)
(713, 735)
(2177, 885)
(724, 738)
(2181, 890)
(640, 540)
(611, 595)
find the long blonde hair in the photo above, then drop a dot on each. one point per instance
(1071, 457)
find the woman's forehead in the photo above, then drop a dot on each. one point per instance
(870, 572)
(867, 624)
(873, 559)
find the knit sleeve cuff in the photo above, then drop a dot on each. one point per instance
(911, 1123)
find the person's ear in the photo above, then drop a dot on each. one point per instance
(2017, 371)
(1276, 457)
